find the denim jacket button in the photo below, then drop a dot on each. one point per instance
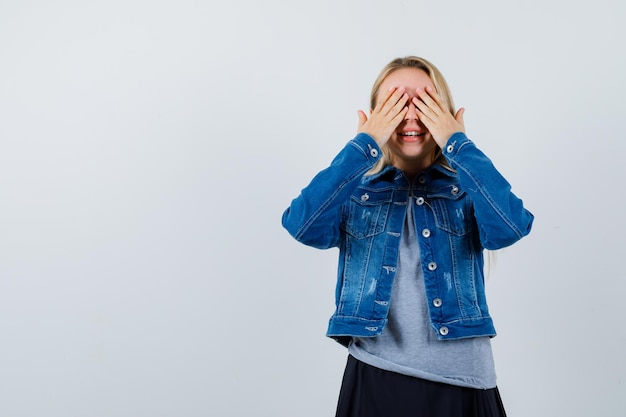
(374, 152)
(455, 190)
(365, 197)
(421, 179)
(426, 233)
(419, 201)
(443, 331)
(432, 266)
(450, 148)
(437, 302)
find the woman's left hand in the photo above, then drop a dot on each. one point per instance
(436, 117)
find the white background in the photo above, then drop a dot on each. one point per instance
(148, 149)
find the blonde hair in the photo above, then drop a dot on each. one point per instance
(440, 85)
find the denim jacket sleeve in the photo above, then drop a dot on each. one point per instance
(500, 215)
(314, 217)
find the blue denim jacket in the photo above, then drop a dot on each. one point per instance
(457, 215)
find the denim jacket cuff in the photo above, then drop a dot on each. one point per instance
(368, 146)
(454, 143)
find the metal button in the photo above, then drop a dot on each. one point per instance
(437, 302)
(421, 179)
(365, 197)
(455, 190)
(426, 233)
(443, 331)
(432, 266)
(374, 152)
(450, 148)
(419, 201)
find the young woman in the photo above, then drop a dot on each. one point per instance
(411, 203)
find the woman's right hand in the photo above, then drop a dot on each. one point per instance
(386, 117)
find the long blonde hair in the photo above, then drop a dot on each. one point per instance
(440, 85)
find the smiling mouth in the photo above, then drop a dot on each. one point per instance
(411, 136)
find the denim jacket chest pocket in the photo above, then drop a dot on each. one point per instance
(367, 212)
(452, 210)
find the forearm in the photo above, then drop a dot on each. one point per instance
(500, 215)
(314, 217)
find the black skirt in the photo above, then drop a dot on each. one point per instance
(367, 391)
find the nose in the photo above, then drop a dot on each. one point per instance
(412, 113)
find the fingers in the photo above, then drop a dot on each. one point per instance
(393, 102)
(459, 117)
(436, 117)
(387, 115)
(428, 103)
(362, 118)
(399, 117)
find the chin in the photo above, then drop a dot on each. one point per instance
(416, 149)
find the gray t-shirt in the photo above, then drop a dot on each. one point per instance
(408, 345)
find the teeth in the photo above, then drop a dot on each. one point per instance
(411, 134)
